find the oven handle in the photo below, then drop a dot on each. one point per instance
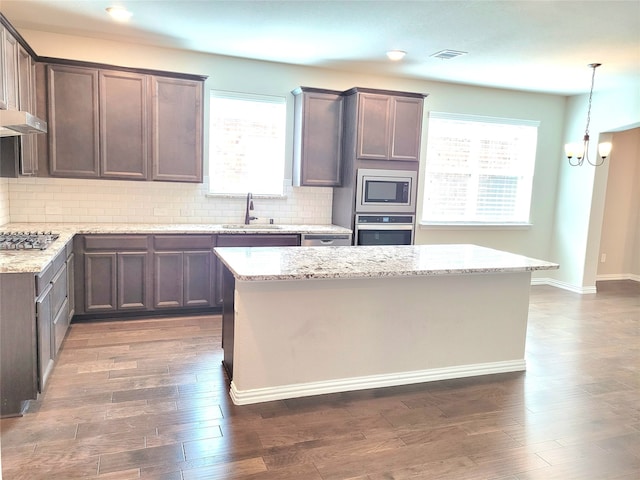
(383, 226)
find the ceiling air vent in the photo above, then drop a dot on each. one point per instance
(448, 54)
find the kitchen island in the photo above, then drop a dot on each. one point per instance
(313, 320)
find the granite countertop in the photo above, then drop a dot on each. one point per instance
(34, 261)
(297, 263)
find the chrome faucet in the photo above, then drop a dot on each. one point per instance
(247, 216)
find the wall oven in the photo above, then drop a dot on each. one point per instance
(384, 230)
(382, 191)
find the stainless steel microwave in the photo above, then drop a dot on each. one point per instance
(386, 191)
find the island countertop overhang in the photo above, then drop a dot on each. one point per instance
(300, 263)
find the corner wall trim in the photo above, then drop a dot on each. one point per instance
(247, 397)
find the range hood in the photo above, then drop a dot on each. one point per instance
(15, 122)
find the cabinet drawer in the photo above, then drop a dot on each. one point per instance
(182, 242)
(59, 327)
(44, 277)
(69, 248)
(59, 289)
(115, 242)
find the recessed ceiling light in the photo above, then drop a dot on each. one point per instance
(396, 55)
(120, 14)
(448, 54)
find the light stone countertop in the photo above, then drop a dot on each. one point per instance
(297, 263)
(34, 261)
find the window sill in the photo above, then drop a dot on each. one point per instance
(244, 195)
(473, 226)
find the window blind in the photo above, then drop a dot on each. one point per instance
(478, 169)
(246, 143)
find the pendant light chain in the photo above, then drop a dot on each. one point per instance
(582, 154)
(593, 77)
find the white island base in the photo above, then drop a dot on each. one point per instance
(295, 338)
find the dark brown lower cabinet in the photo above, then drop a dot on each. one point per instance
(115, 281)
(132, 280)
(43, 327)
(168, 283)
(18, 355)
(34, 317)
(114, 272)
(183, 271)
(100, 281)
(228, 319)
(143, 273)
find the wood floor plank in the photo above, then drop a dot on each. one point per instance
(148, 399)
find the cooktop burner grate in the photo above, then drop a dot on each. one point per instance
(26, 240)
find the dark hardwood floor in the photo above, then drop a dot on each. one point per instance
(148, 399)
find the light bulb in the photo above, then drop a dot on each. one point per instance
(604, 149)
(396, 55)
(120, 14)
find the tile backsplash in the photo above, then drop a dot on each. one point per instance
(89, 201)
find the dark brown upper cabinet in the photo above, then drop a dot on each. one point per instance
(317, 137)
(119, 124)
(9, 83)
(28, 157)
(73, 107)
(124, 124)
(177, 129)
(389, 125)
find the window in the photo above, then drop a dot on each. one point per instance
(479, 170)
(246, 143)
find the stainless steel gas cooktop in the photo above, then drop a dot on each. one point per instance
(26, 240)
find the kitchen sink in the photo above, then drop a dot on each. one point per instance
(242, 226)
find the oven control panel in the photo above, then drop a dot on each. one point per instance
(385, 219)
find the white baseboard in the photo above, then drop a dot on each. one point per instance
(258, 395)
(565, 286)
(618, 276)
(584, 290)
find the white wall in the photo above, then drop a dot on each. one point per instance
(582, 190)
(227, 73)
(549, 110)
(620, 241)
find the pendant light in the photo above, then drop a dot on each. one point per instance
(581, 151)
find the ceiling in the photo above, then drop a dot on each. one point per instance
(542, 46)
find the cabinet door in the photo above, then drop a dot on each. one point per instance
(373, 126)
(24, 80)
(11, 71)
(100, 281)
(71, 286)
(3, 68)
(168, 280)
(59, 327)
(27, 102)
(177, 130)
(132, 280)
(124, 125)
(317, 139)
(45, 344)
(198, 279)
(406, 129)
(73, 121)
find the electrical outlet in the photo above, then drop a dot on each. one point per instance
(603, 258)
